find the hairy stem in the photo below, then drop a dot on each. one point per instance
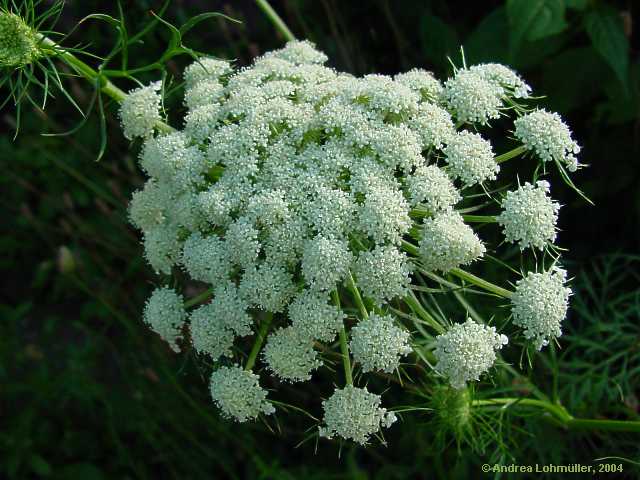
(559, 413)
(344, 348)
(90, 74)
(510, 154)
(257, 345)
(414, 304)
(274, 18)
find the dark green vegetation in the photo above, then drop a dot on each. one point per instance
(87, 392)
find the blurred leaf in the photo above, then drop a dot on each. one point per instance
(39, 466)
(571, 76)
(577, 4)
(534, 20)
(439, 40)
(489, 42)
(605, 29)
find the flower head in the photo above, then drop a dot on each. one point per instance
(289, 354)
(432, 187)
(472, 98)
(311, 314)
(354, 414)
(539, 305)
(470, 158)
(140, 111)
(549, 137)
(529, 216)
(382, 273)
(238, 394)
(467, 351)
(447, 242)
(164, 313)
(377, 343)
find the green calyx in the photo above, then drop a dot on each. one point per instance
(18, 41)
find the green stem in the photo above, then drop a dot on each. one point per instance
(273, 16)
(414, 304)
(344, 347)
(488, 286)
(90, 74)
(561, 414)
(480, 218)
(510, 154)
(356, 296)
(198, 298)
(257, 345)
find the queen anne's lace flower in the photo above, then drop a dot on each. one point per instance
(268, 287)
(238, 394)
(548, 136)
(311, 314)
(470, 158)
(539, 305)
(377, 343)
(382, 273)
(503, 77)
(140, 111)
(472, 98)
(205, 69)
(422, 82)
(354, 414)
(289, 178)
(164, 313)
(447, 242)
(432, 187)
(206, 258)
(529, 216)
(467, 351)
(325, 262)
(214, 326)
(289, 354)
(433, 125)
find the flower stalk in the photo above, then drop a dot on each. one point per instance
(260, 337)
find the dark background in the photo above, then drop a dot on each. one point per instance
(87, 392)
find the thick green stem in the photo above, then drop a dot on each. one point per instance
(89, 73)
(257, 345)
(510, 154)
(356, 296)
(344, 348)
(559, 413)
(488, 286)
(480, 218)
(273, 16)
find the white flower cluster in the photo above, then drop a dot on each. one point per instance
(529, 216)
(289, 178)
(467, 351)
(539, 305)
(140, 111)
(548, 136)
(479, 93)
(354, 414)
(377, 343)
(238, 394)
(164, 313)
(447, 242)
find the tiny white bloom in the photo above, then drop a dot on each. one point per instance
(354, 413)
(377, 343)
(466, 351)
(164, 313)
(238, 394)
(539, 305)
